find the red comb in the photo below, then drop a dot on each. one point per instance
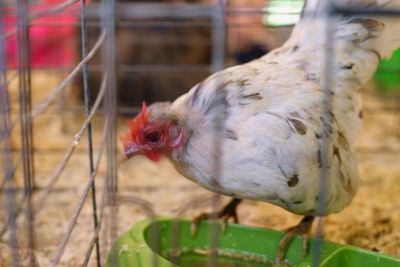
(135, 124)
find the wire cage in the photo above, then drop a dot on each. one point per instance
(73, 72)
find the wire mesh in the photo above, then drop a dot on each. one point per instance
(22, 31)
(6, 153)
(109, 16)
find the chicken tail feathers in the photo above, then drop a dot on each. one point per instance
(359, 40)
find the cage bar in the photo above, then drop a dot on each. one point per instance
(110, 112)
(7, 166)
(25, 102)
(85, 72)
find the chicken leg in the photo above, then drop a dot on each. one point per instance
(229, 211)
(303, 229)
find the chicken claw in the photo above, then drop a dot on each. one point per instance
(228, 212)
(303, 229)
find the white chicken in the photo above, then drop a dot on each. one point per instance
(256, 131)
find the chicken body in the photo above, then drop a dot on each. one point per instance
(269, 126)
(256, 131)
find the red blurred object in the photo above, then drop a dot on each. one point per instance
(51, 36)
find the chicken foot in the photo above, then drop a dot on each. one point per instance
(228, 212)
(303, 229)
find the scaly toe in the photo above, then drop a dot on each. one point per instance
(305, 245)
(196, 222)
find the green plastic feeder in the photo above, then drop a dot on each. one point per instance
(387, 75)
(162, 241)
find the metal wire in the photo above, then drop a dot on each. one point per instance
(8, 81)
(18, 209)
(60, 250)
(9, 188)
(70, 150)
(77, 137)
(89, 185)
(4, 36)
(5, 136)
(348, 10)
(329, 14)
(52, 10)
(57, 91)
(40, 203)
(25, 101)
(45, 104)
(327, 82)
(217, 63)
(60, 168)
(52, 96)
(38, 14)
(110, 111)
(104, 196)
(85, 72)
(13, 167)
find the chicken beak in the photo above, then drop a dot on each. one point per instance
(131, 149)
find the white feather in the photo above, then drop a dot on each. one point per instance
(261, 123)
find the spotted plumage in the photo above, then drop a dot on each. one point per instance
(256, 131)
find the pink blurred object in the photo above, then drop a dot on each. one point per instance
(51, 36)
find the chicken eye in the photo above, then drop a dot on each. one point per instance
(153, 137)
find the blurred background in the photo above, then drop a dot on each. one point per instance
(152, 51)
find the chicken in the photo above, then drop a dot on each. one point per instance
(257, 131)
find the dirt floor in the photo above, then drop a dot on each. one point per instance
(372, 220)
